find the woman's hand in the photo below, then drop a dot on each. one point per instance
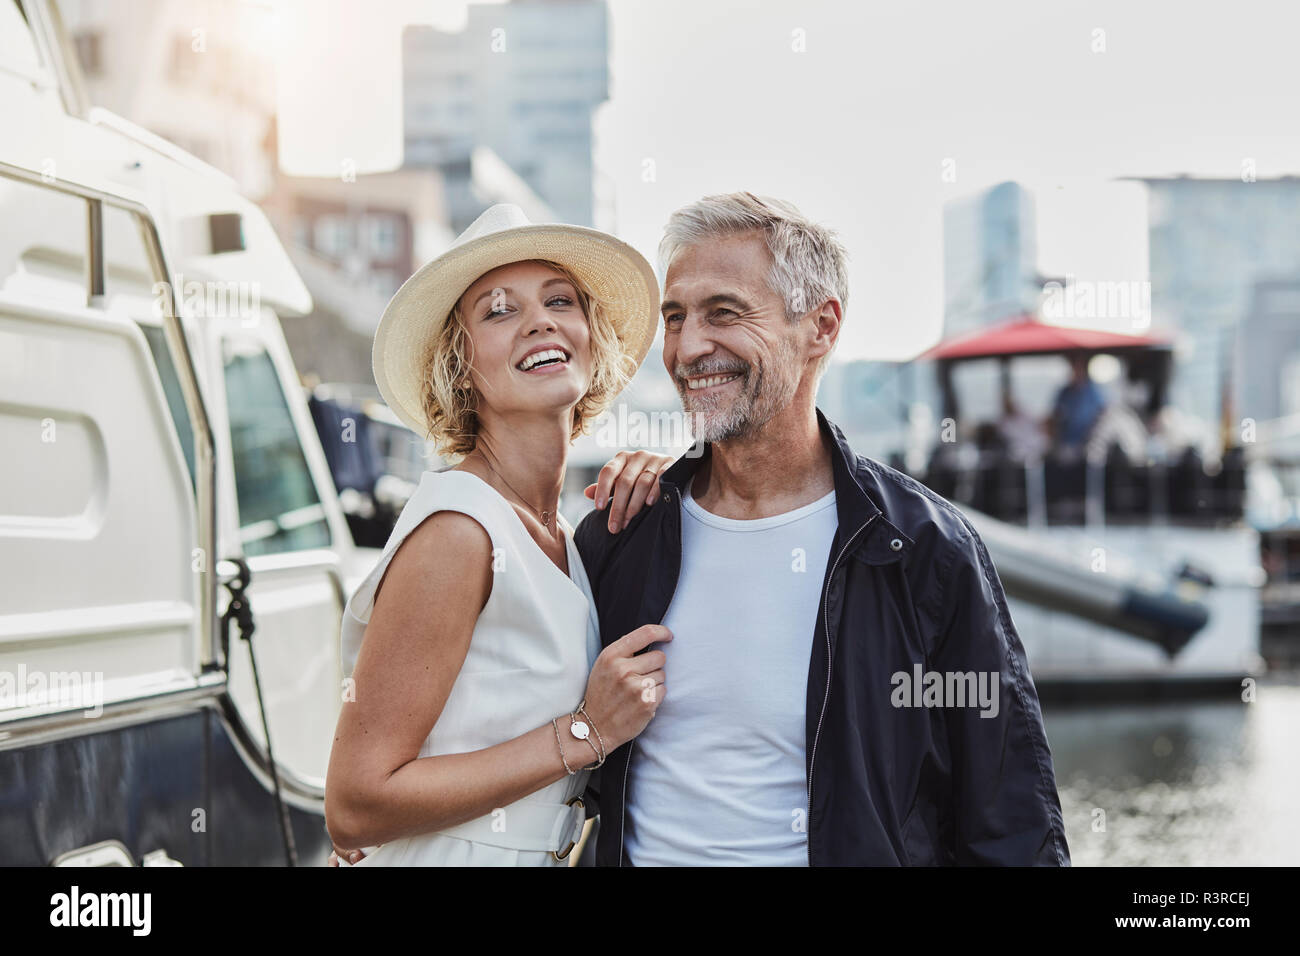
(628, 483)
(352, 856)
(625, 688)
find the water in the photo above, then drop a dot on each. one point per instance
(1212, 783)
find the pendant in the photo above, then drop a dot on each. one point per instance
(546, 519)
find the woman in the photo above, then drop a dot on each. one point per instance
(480, 697)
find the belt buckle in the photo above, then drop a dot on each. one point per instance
(563, 854)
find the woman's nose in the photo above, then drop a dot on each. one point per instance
(538, 319)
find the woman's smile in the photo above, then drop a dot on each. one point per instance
(543, 360)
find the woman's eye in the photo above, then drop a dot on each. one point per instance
(493, 313)
(560, 300)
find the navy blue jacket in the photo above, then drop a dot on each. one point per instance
(909, 589)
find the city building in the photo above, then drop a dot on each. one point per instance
(1211, 242)
(354, 242)
(376, 229)
(521, 79)
(1267, 359)
(199, 73)
(879, 405)
(990, 258)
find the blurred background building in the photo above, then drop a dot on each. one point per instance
(1211, 241)
(355, 242)
(206, 82)
(990, 258)
(1267, 366)
(521, 79)
(499, 111)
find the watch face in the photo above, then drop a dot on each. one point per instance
(579, 729)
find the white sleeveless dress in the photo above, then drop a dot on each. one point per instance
(529, 658)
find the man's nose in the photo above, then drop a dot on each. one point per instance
(693, 342)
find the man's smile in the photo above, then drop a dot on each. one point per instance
(710, 381)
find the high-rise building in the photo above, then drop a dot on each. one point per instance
(1267, 359)
(990, 253)
(521, 78)
(1211, 241)
(884, 408)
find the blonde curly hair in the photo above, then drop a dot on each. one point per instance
(451, 410)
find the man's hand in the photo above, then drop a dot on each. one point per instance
(628, 483)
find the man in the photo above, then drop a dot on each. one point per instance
(1078, 405)
(833, 619)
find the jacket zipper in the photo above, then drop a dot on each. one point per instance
(622, 818)
(826, 612)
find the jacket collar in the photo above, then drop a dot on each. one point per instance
(855, 508)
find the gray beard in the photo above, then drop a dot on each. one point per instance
(761, 398)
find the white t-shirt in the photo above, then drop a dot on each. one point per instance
(718, 777)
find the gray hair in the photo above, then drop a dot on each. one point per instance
(809, 264)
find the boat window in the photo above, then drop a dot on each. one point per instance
(43, 246)
(129, 289)
(279, 509)
(171, 386)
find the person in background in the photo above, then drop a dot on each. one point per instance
(1078, 405)
(1021, 434)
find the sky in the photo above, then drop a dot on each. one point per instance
(870, 116)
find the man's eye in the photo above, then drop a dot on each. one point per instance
(723, 312)
(673, 319)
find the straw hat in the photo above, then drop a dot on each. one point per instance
(620, 277)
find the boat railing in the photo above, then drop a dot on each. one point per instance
(1075, 490)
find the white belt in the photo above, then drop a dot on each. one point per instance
(528, 825)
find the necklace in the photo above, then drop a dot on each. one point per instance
(544, 515)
